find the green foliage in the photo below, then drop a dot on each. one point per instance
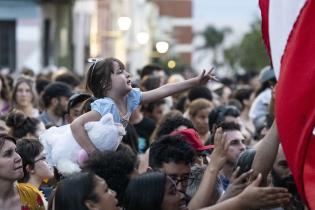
(213, 39)
(250, 53)
(213, 36)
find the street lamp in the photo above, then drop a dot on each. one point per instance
(171, 64)
(143, 38)
(124, 23)
(162, 46)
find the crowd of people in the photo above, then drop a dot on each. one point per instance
(191, 143)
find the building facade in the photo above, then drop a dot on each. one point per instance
(176, 22)
(35, 34)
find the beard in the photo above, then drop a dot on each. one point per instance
(288, 183)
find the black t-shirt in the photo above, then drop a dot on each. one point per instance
(144, 130)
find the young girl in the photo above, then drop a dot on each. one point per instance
(108, 80)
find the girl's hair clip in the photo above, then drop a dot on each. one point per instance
(93, 60)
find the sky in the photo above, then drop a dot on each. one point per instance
(236, 14)
(221, 13)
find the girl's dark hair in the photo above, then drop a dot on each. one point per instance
(20, 125)
(68, 198)
(99, 76)
(5, 92)
(30, 84)
(146, 192)
(28, 149)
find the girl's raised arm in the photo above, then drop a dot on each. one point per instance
(170, 89)
(79, 133)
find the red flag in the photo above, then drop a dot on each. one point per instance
(289, 33)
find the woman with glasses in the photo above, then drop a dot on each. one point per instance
(35, 167)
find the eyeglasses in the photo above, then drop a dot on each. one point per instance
(185, 180)
(174, 189)
(40, 159)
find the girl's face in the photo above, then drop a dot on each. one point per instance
(172, 198)
(24, 95)
(11, 167)
(41, 168)
(107, 197)
(200, 121)
(120, 79)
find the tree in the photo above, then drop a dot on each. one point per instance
(250, 54)
(213, 39)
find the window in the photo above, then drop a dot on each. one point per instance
(7, 44)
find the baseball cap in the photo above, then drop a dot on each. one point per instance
(266, 74)
(193, 138)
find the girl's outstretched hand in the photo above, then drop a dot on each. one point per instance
(205, 76)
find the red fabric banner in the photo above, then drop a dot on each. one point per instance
(295, 98)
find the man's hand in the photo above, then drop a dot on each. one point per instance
(237, 184)
(218, 156)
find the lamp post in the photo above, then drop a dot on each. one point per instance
(124, 23)
(143, 38)
(162, 47)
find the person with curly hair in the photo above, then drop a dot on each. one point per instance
(116, 167)
(22, 126)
